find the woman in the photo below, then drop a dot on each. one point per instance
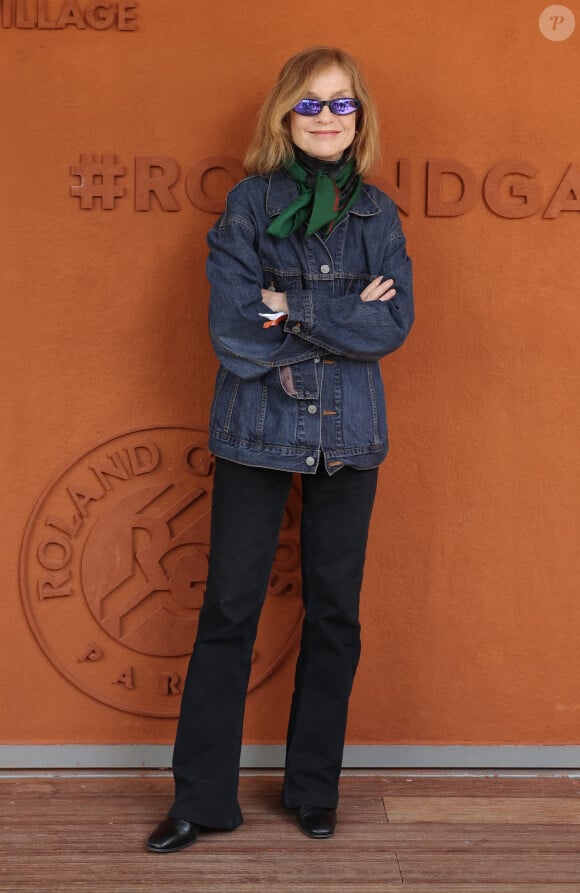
(310, 287)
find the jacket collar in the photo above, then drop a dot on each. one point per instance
(282, 190)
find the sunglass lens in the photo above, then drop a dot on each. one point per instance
(308, 107)
(343, 106)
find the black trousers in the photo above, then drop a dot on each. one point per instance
(247, 512)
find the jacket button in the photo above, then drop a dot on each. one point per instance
(325, 268)
(296, 328)
(311, 461)
(312, 409)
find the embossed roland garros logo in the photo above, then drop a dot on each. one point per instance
(113, 569)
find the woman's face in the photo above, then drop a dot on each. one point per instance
(325, 136)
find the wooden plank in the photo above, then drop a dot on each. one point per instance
(477, 786)
(432, 837)
(165, 886)
(166, 883)
(251, 787)
(489, 869)
(484, 810)
(199, 866)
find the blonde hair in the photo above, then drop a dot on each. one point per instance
(272, 143)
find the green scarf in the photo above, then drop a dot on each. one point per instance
(323, 200)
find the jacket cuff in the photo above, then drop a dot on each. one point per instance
(300, 312)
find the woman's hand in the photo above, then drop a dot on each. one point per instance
(380, 289)
(276, 300)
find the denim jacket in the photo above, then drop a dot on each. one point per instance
(311, 386)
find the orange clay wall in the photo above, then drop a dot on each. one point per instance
(122, 126)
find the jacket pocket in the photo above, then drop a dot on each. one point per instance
(224, 400)
(240, 407)
(287, 380)
(300, 380)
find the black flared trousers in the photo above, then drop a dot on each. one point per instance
(247, 512)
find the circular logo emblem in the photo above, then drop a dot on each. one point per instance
(113, 569)
(557, 22)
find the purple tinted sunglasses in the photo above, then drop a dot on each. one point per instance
(341, 106)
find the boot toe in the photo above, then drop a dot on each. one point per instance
(316, 821)
(172, 835)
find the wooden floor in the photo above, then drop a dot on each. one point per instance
(420, 833)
